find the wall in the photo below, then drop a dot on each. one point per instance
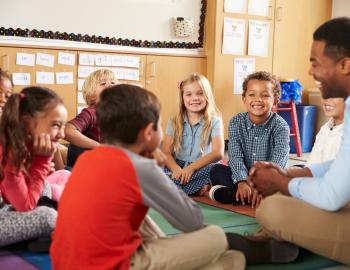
(131, 19)
(341, 8)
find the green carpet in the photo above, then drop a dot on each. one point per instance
(234, 222)
(229, 221)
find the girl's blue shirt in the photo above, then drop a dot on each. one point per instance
(191, 138)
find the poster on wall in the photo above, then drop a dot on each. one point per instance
(242, 67)
(258, 7)
(25, 59)
(235, 6)
(45, 77)
(234, 32)
(258, 38)
(21, 78)
(44, 59)
(67, 59)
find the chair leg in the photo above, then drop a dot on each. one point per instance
(295, 127)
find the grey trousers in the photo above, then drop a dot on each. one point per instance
(19, 226)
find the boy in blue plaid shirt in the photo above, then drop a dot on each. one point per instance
(255, 135)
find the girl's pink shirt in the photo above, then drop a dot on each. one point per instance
(20, 191)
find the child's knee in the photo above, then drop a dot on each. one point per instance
(217, 233)
(46, 217)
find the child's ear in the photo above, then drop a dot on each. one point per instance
(346, 65)
(148, 132)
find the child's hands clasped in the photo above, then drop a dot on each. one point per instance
(43, 145)
(183, 175)
(186, 174)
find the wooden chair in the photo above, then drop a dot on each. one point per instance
(294, 130)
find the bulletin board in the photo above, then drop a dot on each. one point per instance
(65, 71)
(135, 23)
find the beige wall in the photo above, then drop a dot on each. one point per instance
(341, 8)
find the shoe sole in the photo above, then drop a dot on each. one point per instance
(212, 191)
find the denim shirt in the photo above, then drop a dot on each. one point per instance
(329, 188)
(191, 139)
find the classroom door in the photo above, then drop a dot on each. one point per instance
(295, 22)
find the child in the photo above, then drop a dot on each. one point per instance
(82, 131)
(31, 124)
(6, 88)
(257, 134)
(194, 137)
(116, 185)
(328, 138)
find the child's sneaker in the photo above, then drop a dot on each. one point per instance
(221, 194)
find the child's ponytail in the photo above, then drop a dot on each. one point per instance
(13, 133)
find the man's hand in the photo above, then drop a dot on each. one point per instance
(267, 165)
(269, 180)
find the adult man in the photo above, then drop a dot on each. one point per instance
(318, 216)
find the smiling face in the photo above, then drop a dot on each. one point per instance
(51, 122)
(193, 98)
(327, 72)
(334, 107)
(258, 100)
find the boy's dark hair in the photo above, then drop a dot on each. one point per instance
(336, 34)
(13, 132)
(264, 76)
(123, 110)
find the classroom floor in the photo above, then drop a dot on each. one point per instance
(294, 159)
(18, 258)
(242, 224)
(228, 220)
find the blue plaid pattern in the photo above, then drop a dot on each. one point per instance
(249, 142)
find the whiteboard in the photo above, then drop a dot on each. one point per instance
(127, 19)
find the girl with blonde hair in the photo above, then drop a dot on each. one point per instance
(194, 137)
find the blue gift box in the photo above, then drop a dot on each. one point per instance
(291, 91)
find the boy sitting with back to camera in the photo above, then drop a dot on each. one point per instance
(117, 184)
